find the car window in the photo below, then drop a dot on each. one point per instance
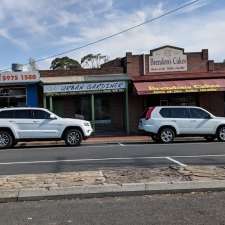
(174, 113)
(165, 112)
(22, 114)
(6, 114)
(199, 114)
(40, 114)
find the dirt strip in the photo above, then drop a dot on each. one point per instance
(112, 176)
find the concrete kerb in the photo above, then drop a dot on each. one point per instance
(129, 189)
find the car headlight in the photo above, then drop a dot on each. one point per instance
(87, 124)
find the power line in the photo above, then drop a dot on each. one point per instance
(115, 34)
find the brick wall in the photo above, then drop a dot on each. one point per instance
(197, 62)
(80, 72)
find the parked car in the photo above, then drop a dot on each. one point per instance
(29, 124)
(164, 123)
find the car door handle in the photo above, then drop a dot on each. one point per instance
(35, 121)
(193, 121)
(12, 121)
(173, 121)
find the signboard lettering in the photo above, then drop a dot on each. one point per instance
(167, 59)
(19, 77)
(85, 87)
(183, 89)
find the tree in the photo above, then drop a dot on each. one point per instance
(94, 61)
(64, 63)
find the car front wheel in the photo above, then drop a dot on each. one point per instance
(73, 137)
(166, 135)
(221, 134)
(6, 139)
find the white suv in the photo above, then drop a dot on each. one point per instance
(28, 124)
(163, 123)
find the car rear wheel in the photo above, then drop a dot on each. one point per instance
(210, 138)
(73, 137)
(6, 139)
(221, 134)
(166, 135)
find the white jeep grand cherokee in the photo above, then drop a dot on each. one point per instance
(164, 123)
(29, 124)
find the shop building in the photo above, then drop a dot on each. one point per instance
(19, 89)
(114, 96)
(97, 95)
(171, 76)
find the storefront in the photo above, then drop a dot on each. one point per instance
(100, 100)
(18, 89)
(170, 76)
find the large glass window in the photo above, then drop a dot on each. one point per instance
(12, 96)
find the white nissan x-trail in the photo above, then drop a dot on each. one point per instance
(164, 123)
(28, 124)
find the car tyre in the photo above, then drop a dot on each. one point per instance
(6, 139)
(73, 137)
(166, 135)
(221, 134)
(210, 138)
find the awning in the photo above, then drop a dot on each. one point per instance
(179, 86)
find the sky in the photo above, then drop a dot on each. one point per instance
(37, 29)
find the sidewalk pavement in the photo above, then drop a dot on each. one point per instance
(111, 182)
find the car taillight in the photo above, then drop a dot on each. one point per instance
(149, 113)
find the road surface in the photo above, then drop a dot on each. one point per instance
(93, 157)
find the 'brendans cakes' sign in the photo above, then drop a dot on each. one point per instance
(167, 59)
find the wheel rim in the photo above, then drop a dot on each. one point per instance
(73, 138)
(222, 133)
(4, 139)
(167, 136)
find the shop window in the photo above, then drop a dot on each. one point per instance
(13, 96)
(102, 110)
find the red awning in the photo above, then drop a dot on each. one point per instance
(179, 86)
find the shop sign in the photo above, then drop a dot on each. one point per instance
(167, 59)
(183, 89)
(19, 77)
(86, 87)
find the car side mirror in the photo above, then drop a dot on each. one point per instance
(52, 117)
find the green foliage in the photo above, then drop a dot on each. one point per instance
(64, 63)
(94, 61)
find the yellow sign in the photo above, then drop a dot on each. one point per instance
(183, 89)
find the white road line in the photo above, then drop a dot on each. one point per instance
(77, 160)
(110, 159)
(121, 144)
(175, 161)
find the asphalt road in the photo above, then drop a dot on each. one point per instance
(189, 209)
(62, 158)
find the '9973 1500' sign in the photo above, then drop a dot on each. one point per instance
(19, 77)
